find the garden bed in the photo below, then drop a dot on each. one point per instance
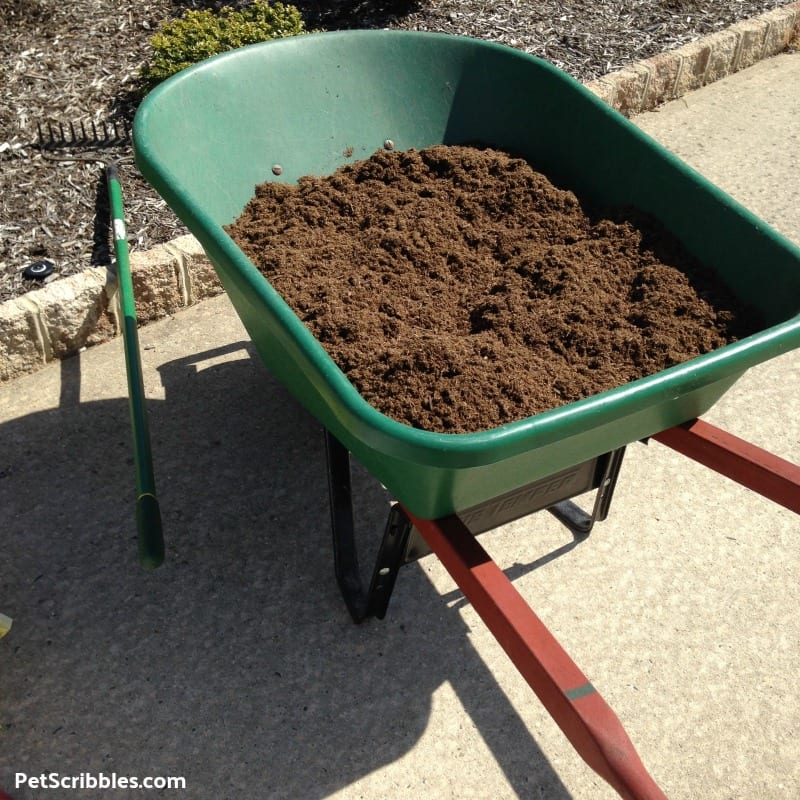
(62, 62)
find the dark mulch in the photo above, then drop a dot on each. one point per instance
(78, 60)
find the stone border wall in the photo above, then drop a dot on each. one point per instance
(647, 84)
(81, 310)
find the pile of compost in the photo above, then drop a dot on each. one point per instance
(459, 289)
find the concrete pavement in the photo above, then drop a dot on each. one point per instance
(236, 666)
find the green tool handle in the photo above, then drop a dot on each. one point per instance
(148, 514)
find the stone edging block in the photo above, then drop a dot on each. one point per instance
(75, 312)
(83, 309)
(647, 84)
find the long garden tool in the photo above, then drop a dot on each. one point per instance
(88, 142)
(148, 513)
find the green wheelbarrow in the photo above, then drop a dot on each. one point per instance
(303, 105)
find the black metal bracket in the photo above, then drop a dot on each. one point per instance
(373, 601)
(575, 518)
(401, 543)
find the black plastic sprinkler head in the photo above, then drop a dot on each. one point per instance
(39, 270)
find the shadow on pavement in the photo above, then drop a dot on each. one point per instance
(235, 665)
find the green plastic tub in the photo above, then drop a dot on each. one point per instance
(206, 137)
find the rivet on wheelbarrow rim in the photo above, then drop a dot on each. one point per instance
(39, 270)
(388, 145)
(277, 169)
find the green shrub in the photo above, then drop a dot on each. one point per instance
(197, 35)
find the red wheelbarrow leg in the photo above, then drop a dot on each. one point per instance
(772, 477)
(578, 709)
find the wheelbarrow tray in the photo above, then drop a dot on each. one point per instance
(207, 136)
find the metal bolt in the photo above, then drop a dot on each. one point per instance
(388, 145)
(277, 169)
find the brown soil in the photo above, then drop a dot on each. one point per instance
(459, 289)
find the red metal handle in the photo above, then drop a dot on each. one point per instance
(577, 708)
(575, 705)
(772, 477)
